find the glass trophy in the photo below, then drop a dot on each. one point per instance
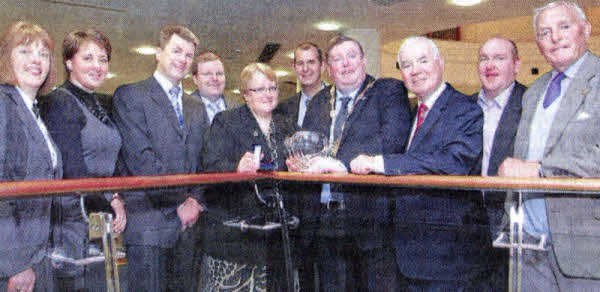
(305, 145)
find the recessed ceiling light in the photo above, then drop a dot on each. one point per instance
(281, 73)
(328, 26)
(145, 50)
(236, 91)
(188, 92)
(290, 55)
(110, 75)
(465, 2)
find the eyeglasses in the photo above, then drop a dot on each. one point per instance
(264, 89)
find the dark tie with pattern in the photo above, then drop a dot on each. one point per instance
(36, 109)
(174, 95)
(553, 91)
(341, 118)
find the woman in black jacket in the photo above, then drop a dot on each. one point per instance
(89, 143)
(235, 258)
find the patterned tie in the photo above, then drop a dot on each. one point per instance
(174, 95)
(36, 109)
(341, 118)
(420, 116)
(553, 91)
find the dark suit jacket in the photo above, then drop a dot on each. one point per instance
(504, 138)
(379, 124)
(154, 144)
(24, 155)
(290, 107)
(232, 133)
(229, 104)
(441, 235)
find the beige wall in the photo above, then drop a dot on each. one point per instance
(461, 57)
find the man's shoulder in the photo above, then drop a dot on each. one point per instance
(130, 88)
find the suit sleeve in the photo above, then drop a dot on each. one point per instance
(137, 155)
(457, 152)
(218, 150)
(396, 119)
(65, 120)
(137, 151)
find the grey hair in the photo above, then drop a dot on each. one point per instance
(410, 41)
(568, 4)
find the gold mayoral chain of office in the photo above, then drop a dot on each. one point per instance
(336, 144)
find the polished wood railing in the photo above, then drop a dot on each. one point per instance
(560, 185)
(512, 240)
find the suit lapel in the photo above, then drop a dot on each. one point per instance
(509, 121)
(160, 97)
(433, 116)
(357, 108)
(31, 125)
(531, 98)
(572, 100)
(249, 128)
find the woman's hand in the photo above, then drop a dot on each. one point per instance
(118, 207)
(248, 163)
(22, 282)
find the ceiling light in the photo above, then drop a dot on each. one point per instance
(236, 91)
(188, 92)
(282, 73)
(328, 26)
(290, 55)
(145, 50)
(465, 2)
(110, 75)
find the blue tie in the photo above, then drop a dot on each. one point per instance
(340, 119)
(553, 91)
(174, 95)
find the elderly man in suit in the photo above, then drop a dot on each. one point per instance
(500, 100)
(208, 73)
(162, 131)
(308, 65)
(559, 135)
(441, 237)
(359, 114)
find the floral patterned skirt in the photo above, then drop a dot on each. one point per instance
(220, 275)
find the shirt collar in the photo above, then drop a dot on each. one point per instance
(304, 96)
(220, 101)
(352, 94)
(26, 98)
(431, 99)
(500, 101)
(571, 71)
(165, 83)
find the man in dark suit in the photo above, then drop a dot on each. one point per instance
(162, 131)
(558, 136)
(209, 76)
(359, 114)
(441, 237)
(500, 100)
(308, 65)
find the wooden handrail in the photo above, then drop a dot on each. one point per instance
(560, 185)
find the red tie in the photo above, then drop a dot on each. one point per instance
(420, 116)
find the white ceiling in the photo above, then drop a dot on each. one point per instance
(238, 29)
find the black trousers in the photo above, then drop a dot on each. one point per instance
(344, 264)
(152, 268)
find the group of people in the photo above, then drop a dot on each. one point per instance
(350, 237)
